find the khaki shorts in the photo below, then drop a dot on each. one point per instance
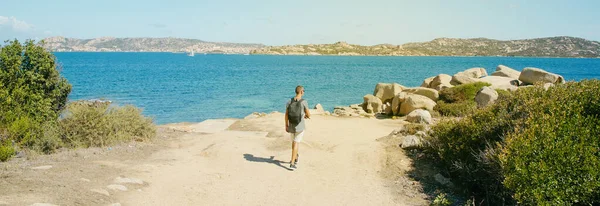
(297, 137)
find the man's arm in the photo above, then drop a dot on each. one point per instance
(287, 124)
(306, 111)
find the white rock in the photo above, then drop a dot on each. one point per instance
(43, 204)
(84, 180)
(486, 96)
(117, 187)
(45, 167)
(419, 116)
(124, 180)
(532, 75)
(547, 86)
(414, 101)
(428, 92)
(101, 191)
(386, 91)
(504, 71)
(411, 141)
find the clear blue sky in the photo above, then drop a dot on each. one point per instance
(281, 22)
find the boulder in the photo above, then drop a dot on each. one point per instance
(411, 142)
(462, 78)
(317, 110)
(532, 75)
(427, 82)
(372, 104)
(419, 116)
(430, 93)
(386, 91)
(415, 101)
(498, 82)
(477, 72)
(504, 71)
(398, 99)
(441, 81)
(486, 96)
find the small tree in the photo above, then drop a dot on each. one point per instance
(32, 91)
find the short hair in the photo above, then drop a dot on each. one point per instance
(299, 88)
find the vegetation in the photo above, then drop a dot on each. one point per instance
(550, 47)
(32, 97)
(531, 147)
(98, 124)
(459, 101)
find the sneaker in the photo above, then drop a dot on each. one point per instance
(297, 157)
(293, 167)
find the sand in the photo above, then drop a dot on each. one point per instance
(227, 162)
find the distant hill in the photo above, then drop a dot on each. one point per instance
(111, 44)
(542, 47)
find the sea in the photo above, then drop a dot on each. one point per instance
(174, 87)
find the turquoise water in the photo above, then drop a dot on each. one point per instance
(177, 88)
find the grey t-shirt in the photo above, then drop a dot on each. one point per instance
(300, 127)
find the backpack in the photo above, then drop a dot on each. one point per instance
(295, 111)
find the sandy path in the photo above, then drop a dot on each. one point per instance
(340, 164)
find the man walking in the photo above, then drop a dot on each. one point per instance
(295, 113)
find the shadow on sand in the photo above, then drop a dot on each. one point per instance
(271, 160)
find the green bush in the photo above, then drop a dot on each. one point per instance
(464, 92)
(32, 93)
(457, 109)
(536, 146)
(88, 124)
(554, 156)
(6, 150)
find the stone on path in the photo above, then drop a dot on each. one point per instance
(45, 167)
(100, 191)
(124, 180)
(117, 187)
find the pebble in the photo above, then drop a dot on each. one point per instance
(117, 187)
(123, 180)
(84, 180)
(43, 204)
(115, 204)
(101, 191)
(45, 167)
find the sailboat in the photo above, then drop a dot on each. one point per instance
(191, 53)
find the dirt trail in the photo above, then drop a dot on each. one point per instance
(340, 164)
(245, 162)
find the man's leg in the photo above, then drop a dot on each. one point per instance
(294, 152)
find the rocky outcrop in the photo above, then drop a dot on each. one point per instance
(532, 75)
(440, 82)
(430, 93)
(355, 110)
(468, 76)
(462, 78)
(413, 102)
(427, 82)
(398, 99)
(486, 96)
(498, 82)
(419, 116)
(317, 110)
(504, 71)
(372, 104)
(386, 91)
(477, 72)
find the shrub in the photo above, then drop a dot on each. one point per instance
(100, 124)
(464, 92)
(6, 150)
(32, 93)
(458, 109)
(554, 157)
(537, 146)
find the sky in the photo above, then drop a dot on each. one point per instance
(286, 22)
